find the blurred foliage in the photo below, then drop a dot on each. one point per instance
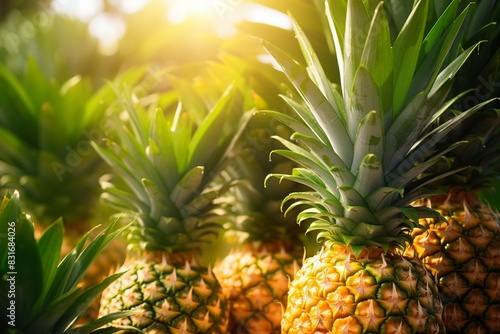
(62, 46)
(26, 6)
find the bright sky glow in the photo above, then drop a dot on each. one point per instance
(223, 14)
(129, 6)
(180, 10)
(82, 9)
(108, 37)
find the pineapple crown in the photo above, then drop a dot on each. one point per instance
(362, 146)
(45, 130)
(255, 210)
(47, 297)
(478, 77)
(169, 153)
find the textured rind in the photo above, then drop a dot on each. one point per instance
(334, 292)
(464, 253)
(181, 298)
(255, 280)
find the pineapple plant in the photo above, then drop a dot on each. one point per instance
(362, 147)
(46, 128)
(167, 160)
(39, 293)
(462, 249)
(268, 246)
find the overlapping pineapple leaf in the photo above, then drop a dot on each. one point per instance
(406, 50)
(47, 298)
(377, 59)
(451, 70)
(313, 64)
(395, 78)
(328, 126)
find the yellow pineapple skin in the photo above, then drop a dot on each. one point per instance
(255, 281)
(172, 295)
(464, 253)
(335, 292)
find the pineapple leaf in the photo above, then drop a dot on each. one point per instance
(434, 136)
(313, 64)
(90, 253)
(65, 268)
(438, 29)
(206, 140)
(81, 303)
(161, 150)
(10, 84)
(120, 199)
(311, 181)
(405, 129)
(433, 62)
(364, 98)
(329, 126)
(370, 175)
(17, 239)
(382, 197)
(304, 113)
(160, 203)
(369, 139)
(44, 321)
(377, 58)
(449, 72)
(184, 191)
(356, 29)
(319, 168)
(336, 23)
(49, 245)
(406, 50)
(287, 120)
(114, 160)
(329, 157)
(350, 196)
(94, 327)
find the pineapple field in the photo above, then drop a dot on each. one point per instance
(250, 166)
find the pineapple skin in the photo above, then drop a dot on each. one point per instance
(255, 280)
(334, 292)
(464, 253)
(172, 295)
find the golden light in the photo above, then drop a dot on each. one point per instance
(180, 10)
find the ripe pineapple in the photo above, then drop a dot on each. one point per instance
(168, 165)
(462, 249)
(40, 293)
(268, 247)
(361, 147)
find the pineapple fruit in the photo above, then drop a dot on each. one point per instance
(268, 247)
(462, 246)
(463, 251)
(40, 293)
(168, 161)
(362, 147)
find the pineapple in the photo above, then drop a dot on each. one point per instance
(361, 147)
(46, 128)
(462, 249)
(41, 294)
(168, 165)
(256, 272)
